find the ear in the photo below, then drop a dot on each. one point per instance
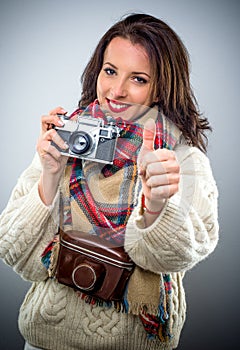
(155, 99)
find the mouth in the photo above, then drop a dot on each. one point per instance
(117, 107)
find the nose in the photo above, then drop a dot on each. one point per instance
(119, 89)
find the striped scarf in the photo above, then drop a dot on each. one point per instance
(100, 199)
(109, 218)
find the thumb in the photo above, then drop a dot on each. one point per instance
(149, 133)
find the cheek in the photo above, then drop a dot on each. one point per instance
(98, 86)
(101, 88)
(142, 97)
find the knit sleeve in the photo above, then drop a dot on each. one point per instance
(27, 225)
(186, 231)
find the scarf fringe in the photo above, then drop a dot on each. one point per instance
(50, 255)
(120, 306)
(137, 309)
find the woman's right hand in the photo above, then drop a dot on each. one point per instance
(53, 162)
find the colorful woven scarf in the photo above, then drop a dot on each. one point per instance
(109, 220)
(104, 196)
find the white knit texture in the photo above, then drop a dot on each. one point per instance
(52, 316)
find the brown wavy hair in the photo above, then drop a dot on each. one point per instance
(169, 68)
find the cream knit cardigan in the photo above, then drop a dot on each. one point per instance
(52, 316)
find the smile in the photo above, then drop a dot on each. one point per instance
(117, 107)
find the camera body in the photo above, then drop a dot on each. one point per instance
(88, 138)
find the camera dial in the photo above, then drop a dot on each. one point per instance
(80, 142)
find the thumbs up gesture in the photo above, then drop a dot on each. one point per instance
(159, 171)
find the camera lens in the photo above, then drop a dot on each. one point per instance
(79, 142)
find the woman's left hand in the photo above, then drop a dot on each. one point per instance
(159, 170)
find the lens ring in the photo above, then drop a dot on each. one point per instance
(80, 142)
(84, 270)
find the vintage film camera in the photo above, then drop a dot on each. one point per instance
(88, 138)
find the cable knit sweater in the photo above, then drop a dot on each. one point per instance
(52, 316)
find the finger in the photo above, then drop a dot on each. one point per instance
(58, 110)
(149, 133)
(159, 155)
(164, 167)
(46, 151)
(52, 152)
(163, 192)
(52, 135)
(163, 179)
(52, 119)
(49, 120)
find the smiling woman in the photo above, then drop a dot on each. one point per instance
(125, 78)
(156, 200)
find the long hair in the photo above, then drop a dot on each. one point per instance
(169, 68)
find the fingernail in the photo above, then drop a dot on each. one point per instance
(60, 122)
(63, 111)
(65, 145)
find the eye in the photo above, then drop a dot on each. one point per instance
(140, 80)
(109, 71)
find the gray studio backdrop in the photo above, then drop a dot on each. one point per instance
(45, 45)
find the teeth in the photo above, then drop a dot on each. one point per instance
(117, 106)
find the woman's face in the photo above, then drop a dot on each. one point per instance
(124, 82)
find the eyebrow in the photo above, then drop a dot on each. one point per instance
(109, 63)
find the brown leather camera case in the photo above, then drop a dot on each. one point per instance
(93, 265)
